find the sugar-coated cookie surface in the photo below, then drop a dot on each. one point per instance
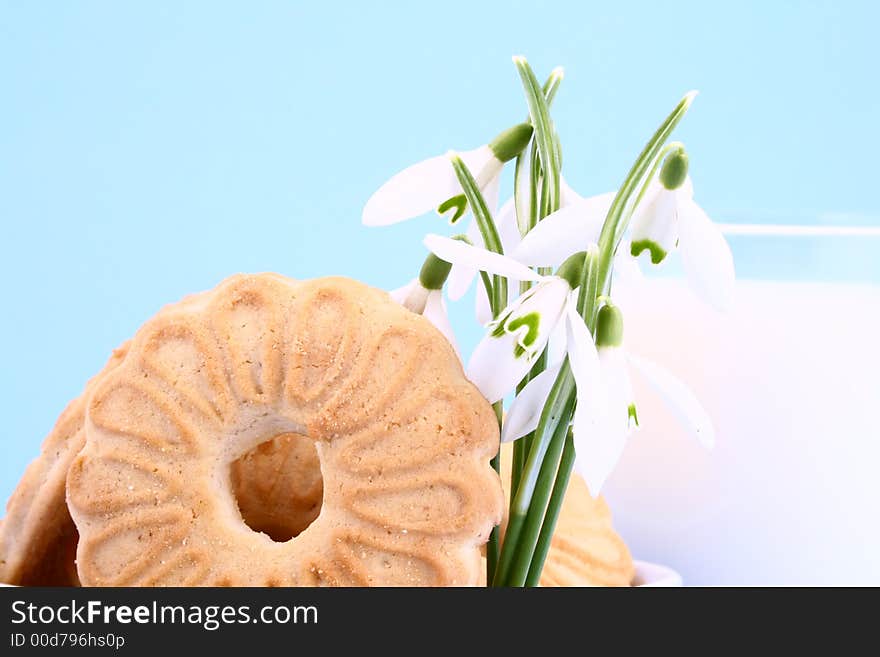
(403, 439)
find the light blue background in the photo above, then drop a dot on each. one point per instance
(149, 150)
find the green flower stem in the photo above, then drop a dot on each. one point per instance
(596, 274)
(522, 445)
(646, 182)
(488, 230)
(492, 547)
(544, 132)
(534, 185)
(526, 208)
(551, 86)
(556, 499)
(538, 507)
(557, 411)
(521, 541)
(520, 204)
(497, 292)
(542, 506)
(614, 227)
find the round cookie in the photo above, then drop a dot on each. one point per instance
(277, 486)
(402, 437)
(37, 536)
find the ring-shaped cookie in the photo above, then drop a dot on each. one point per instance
(403, 440)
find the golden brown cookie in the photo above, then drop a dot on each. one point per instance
(585, 550)
(403, 441)
(37, 536)
(277, 485)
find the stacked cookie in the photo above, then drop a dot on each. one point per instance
(267, 433)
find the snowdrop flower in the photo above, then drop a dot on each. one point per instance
(424, 296)
(522, 330)
(462, 275)
(578, 223)
(568, 230)
(668, 217)
(598, 452)
(509, 232)
(432, 183)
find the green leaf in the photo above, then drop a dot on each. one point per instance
(539, 113)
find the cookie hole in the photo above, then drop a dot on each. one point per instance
(278, 486)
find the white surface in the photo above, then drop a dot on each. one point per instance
(791, 492)
(655, 575)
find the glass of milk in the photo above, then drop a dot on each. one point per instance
(791, 377)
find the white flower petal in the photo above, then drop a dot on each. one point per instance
(534, 315)
(435, 312)
(615, 376)
(521, 206)
(567, 195)
(491, 192)
(687, 187)
(655, 222)
(679, 398)
(412, 192)
(706, 256)
(482, 307)
(525, 411)
(626, 273)
(411, 296)
(504, 356)
(564, 232)
(558, 343)
(459, 281)
(458, 252)
(598, 443)
(400, 294)
(591, 395)
(493, 367)
(461, 276)
(507, 228)
(596, 452)
(483, 165)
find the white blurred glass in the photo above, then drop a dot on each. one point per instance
(791, 377)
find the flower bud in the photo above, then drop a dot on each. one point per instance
(609, 327)
(511, 142)
(434, 273)
(572, 270)
(674, 170)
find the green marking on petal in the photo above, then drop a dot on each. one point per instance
(531, 321)
(458, 203)
(658, 253)
(511, 142)
(633, 416)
